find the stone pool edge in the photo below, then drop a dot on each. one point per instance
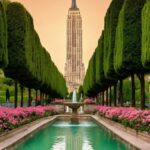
(127, 137)
(26, 130)
(17, 134)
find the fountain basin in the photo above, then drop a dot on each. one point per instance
(74, 107)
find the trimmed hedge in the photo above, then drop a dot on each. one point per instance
(95, 80)
(29, 61)
(100, 77)
(3, 36)
(127, 59)
(146, 35)
(111, 21)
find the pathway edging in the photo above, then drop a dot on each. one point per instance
(129, 138)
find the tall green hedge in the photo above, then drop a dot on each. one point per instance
(146, 35)
(29, 61)
(92, 78)
(127, 57)
(3, 36)
(111, 21)
(95, 80)
(16, 22)
(100, 77)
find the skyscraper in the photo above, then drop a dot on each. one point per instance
(74, 67)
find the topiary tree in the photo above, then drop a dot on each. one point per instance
(100, 77)
(111, 21)
(3, 35)
(127, 60)
(16, 21)
(29, 62)
(95, 80)
(102, 82)
(146, 35)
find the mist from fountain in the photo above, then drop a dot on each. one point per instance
(74, 97)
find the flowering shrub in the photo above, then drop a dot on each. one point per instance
(58, 101)
(130, 117)
(89, 101)
(11, 118)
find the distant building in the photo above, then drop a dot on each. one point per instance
(74, 67)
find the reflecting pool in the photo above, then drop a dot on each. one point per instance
(62, 135)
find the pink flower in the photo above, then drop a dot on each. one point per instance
(89, 101)
(130, 114)
(10, 117)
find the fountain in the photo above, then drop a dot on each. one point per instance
(74, 105)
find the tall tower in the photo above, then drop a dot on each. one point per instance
(74, 67)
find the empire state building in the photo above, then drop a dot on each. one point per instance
(74, 67)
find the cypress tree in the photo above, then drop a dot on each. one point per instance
(127, 59)
(29, 62)
(100, 77)
(111, 21)
(3, 35)
(146, 35)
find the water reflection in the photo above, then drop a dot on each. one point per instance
(74, 138)
(59, 144)
(67, 136)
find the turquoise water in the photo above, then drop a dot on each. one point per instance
(66, 136)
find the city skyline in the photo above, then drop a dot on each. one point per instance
(50, 23)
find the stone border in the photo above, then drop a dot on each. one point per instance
(141, 135)
(89, 108)
(12, 137)
(133, 140)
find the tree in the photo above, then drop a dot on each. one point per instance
(29, 62)
(146, 35)
(111, 21)
(127, 60)
(3, 36)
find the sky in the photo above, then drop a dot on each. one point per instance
(50, 22)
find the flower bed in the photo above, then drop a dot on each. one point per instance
(129, 117)
(11, 118)
(89, 101)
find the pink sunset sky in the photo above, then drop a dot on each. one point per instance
(50, 18)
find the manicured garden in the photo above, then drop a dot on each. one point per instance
(117, 74)
(11, 118)
(24, 59)
(119, 67)
(129, 117)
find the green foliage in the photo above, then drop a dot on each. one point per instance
(99, 54)
(89, 81)
(8, 81)
(127, 57)
(111, 21)
(146, 35)
(127, 90)
(3, 36)
(95, 80)
(29, 61)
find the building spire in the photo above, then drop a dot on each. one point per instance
(74, 5)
